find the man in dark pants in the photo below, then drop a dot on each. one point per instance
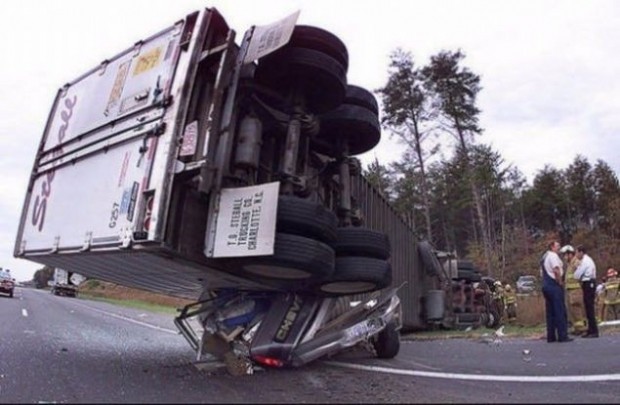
(586, 274)
(552, 270)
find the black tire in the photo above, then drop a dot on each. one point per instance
(468, 317)
(358, 125)
(295, 258)
(493, 318)
(465, 265)
(387, 342)
(319, 77)
(469, 275)
(357, 275)
(305, 36)
(357, 241)
(489, 282)
(298, 216)
(429, 259)
(361, 97)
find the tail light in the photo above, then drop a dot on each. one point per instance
(268, 361)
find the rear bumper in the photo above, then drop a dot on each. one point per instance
(350, 335)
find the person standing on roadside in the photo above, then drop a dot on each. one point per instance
(510, 300)
(586, 274)
(552, 270)
(611, 295)
(574, 297)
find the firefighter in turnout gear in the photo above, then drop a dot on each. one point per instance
(510, 301)
(573, 293)
(611, 295)
(498, 298)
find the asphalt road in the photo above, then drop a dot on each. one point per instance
(67, 350)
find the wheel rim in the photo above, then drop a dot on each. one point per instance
(491, 320)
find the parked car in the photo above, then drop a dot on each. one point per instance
(526, 284)
(7, 284)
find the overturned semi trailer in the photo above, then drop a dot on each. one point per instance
(193, 166)
(406, 261)
(437, 288)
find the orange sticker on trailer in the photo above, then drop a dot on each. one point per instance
(148, 61)
(117, 88)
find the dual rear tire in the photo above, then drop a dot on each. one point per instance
(311, 253)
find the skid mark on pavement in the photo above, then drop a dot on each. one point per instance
(479, 377)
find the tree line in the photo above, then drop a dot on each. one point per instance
(459, 193)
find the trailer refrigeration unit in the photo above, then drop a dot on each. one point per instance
(193, 166)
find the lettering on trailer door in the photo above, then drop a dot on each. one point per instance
(40, 201)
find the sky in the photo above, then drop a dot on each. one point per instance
(549, 69)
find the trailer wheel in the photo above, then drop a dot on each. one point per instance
(361, 97)
(465, 265)
(294, 258)
(429, 258)
(466, 319)
(320, 78)
(357, 241)
(469, 275)
(302, 217)
(305, 36)
(464, 274)
(387, 342)
(356, 275)
(358, 125)
(493, 318)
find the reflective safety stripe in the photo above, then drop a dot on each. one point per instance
(611, 292)
(510, 299)
(571, 283)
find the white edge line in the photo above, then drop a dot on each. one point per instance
(148, 325)
(479, 377)
(429, 374)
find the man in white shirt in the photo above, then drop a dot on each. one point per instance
(552, 270)
(586, 274)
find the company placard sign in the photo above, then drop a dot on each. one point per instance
(267, 38)
(246, 221)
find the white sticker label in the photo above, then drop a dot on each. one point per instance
(77, 279)
(267, 38)
(246, 221)
(190, 138)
